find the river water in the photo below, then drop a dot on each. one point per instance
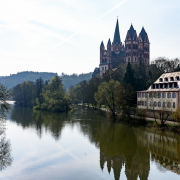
(83, 145)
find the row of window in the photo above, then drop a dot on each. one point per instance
(171, 79)
(164, 85)
(157, 95)
(157, 104)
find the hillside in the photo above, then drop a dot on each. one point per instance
(68, 80)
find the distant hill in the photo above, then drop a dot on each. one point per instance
(71, 80)
(68, 80)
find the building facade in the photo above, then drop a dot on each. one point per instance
(164, 94)
(134, 49)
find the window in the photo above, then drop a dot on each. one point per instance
(142, 103)
(155, 104)
(173, 104)
(155, 95)
(171, 78)
(159, 104)
(165, 85)
(103, 68)
(168, 95)
(150, 103)
(177, 78)
(146, 95)
(174, 95)
(161, 86)
(145, 103)
(160, 80)
(142, 95)
(175, 85)
(164, 95)
(169, 105)
(157, 86)
(165, 79)
(159, 95)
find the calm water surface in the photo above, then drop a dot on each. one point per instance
(83, 145)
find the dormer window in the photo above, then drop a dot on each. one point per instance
(160, 80)
(177, 78)
(171, 78)
(165, 79)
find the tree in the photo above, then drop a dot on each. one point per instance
(107, 94)
(54, 98)
(129, 78)
(5, 96)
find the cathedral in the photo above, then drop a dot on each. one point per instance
(133, 50)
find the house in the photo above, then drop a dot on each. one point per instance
(162, 95)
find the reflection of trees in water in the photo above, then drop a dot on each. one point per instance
(5, 149)
(52, 122)
(120, 145)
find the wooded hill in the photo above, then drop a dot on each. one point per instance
(68, 80)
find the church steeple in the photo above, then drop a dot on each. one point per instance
(117, 34)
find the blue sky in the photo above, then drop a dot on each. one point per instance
(65, 35)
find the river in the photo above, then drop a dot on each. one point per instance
(83, 145)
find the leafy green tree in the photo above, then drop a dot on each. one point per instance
(54, 98)
(5, 96)
(107, 94)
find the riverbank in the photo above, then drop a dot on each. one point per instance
(147, 119)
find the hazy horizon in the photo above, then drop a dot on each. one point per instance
(64, 36)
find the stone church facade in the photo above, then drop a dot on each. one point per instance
(134, 49)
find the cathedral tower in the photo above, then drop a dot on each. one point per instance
(131, 46)
(144, 48)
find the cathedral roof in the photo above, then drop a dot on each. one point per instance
(117, 34)
(143, 34)
(109, 42)
(131, 31)
(102, 44)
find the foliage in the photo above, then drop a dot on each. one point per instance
(107, 94)
(5, 96)
(54, 98)
(42, 95)
(176, 115)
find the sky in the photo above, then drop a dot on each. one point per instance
(64, 36)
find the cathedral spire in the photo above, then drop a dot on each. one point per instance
(143, 34)
(117, 34)
(102, 44)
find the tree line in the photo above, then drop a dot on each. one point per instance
(44, 95)
(117, 88)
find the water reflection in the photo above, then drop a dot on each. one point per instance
(119, 145)
(5, 149)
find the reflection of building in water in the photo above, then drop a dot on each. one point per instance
(116, 163)
(137, 167)
(163, 148)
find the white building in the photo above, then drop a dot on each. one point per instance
(164, 94)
